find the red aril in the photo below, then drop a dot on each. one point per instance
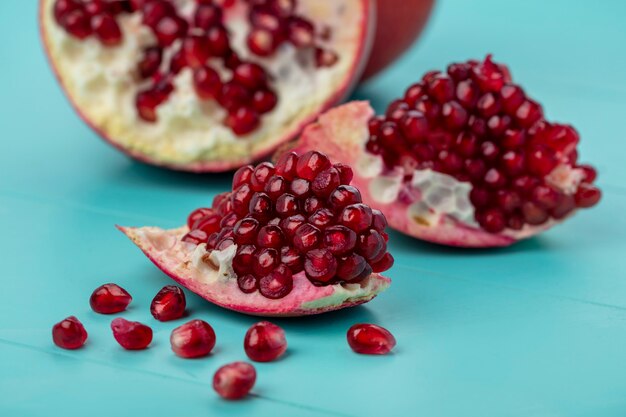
(370, 339)
(265, 342)
(109, 299)
(193, 339)
(168, 304)
(69, 333)
(235, 380)
(131, 335)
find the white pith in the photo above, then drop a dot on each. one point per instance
(102, 83)
(213, 270)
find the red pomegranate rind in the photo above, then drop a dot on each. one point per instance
(210, 155)
(342, 133)
(180, 261)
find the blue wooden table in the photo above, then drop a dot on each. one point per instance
(538, 329)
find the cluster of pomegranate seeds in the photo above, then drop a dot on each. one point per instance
(370, 339)
(131, 335)
(69, 333)
(265, 342)
(168, 304)
(193, 339)
(474, 124)
(300, 215)
(109, 299)
(202, 43)
(235, 380)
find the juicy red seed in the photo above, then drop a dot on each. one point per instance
(512, 97)
(508, 200)
(286, 205)
(350, 268)
(312, 204)
(150, 62)
(197, 51)
(277, 284)
(265, 342)
(207, 15)
(264, 101)
(533, 213)
(234, 381)
(291, 224)
(63, 7)
(286, 165)
(77, 23)
(467, 93)
(261, 175)
(494, 179)
(545, 196)
(243, 121)
(528, 113)
(587, 196)
(169, 29)
(207, 83)
(414, 126)
(247, 283)
(241, 198)
(106, 29)
(343, 196)
(270, 237)
(196, 237)
(275, 186)
(109, 299)
(590, 173)
(300, 187)
(379, 222)
(69, 333)
(441, 88)
(178, 62)
(383, 264)
(250, 75)
(267, 259)
(325, 182)
(131, 335)
(168, 304)
(370, 339)
(242, 176)
(565, 206)
(307, 237)
(310, 164)
(339, 240)
(154, 11)
(345, 173)
(413, 93)
(291, 259)
(320, 266)
(322, 218)
(541, 161)
(233, 96)
(198, 214)
(371, 245)
(325, 57)
(357, 217)
(193, 339)
(262, 42)
(301, 32)
(218, 41)
(492, 220)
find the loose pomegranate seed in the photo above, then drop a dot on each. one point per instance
(109, 299)
(265, 342)
(69, 333)
(370, 339)
(131, 335)
(235, 380)
(106, 29)
(193, 339)
(168, 304)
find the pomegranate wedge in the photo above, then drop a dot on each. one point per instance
(200, 85)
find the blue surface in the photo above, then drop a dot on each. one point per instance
(538, 329)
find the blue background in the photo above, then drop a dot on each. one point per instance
(538, 329)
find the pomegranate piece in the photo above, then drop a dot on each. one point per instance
(464, 158)
(69, 333)
(168, 304)
(274, 248)
(235, 380)
(109, 299)
(370, 339)
(131, 335)
(236, 84)
(193, 339)
(265, 342)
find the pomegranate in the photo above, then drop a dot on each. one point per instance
(168, 304)
(465, 158)
(204, 85)
(69, 333)
(265, 342)
(370, 339)
(193, 339)
(131, 335)
(289, 240)
(235, 380)
(109, 299)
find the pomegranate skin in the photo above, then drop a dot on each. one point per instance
(370, 339)
(235, 380)
(131, 335)
(69, 333)
(194, 339)
(109, 299)
(168, 304)
(265, 342)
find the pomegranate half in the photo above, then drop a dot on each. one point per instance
(465, 158)
(289, 240)
(207, 85)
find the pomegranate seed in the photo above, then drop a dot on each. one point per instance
(243, 121)
(106, 29)
(63, 7)
(357, 217)
(590, 173)
(109, 299)
(301, 32)
(264, 101)
(291, 224)
(265, 342)
(207, 16)
(541, 161)
(277, 284)
(168, 304)
(587, 196)
(350, 268)
(169, 29)
(218, 41)
(77, 23)
(325, 58)
(234, 381)
(343, 196)
(270, 237)
(385, 263)
(150, 62)
(69, 333)
(247, 283)
(370, 339)
(196, 237)
(197, 51)
(291, 259)
(206, 82)
(310, 164)
(233, 96)
(339, 239)
(193, 339)
(250, 75)
(534, 214)
(131, 335)
(320, 265)
(262, 42)
(286, 165)
(154, 11)
(371, 245)
(307, 237)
